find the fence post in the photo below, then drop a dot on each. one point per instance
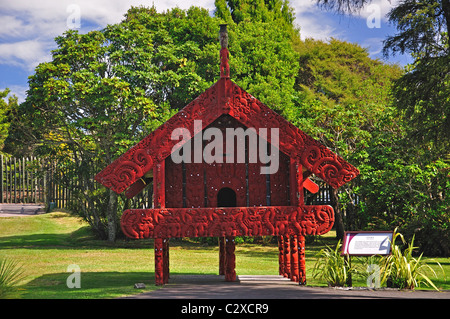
(1, 178)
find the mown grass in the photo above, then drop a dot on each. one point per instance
(45, 245)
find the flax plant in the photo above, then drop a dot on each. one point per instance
(401, 270)
(332, 267)
(11, 273)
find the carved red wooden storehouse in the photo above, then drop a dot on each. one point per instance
(215, 191)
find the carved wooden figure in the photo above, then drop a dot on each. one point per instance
(238, 189)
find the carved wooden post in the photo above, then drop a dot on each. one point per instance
(166, 260)
(287, 257)
(301, 256)
(296, 183)
(230, 269)
(297, 199)
(159, 263)
(222, 256)
(224, 54)
(294, 258)
(281, 255)
(161, 245)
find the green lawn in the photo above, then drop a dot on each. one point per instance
(45, 245)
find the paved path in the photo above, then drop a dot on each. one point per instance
(12, 210)
(270, 287)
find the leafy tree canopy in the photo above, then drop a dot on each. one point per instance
(405, 179)
(423, 29)
(105, 90)
(6, 108)
(340, 92)
(260, 10)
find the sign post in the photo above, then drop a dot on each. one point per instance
(365, 243)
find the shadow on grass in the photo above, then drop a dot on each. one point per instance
(94, 285)
(80, 238)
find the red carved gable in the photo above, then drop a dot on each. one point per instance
(225, 97)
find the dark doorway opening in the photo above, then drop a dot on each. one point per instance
(226, 198)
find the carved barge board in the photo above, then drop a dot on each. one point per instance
(225, 97)
(222, 222)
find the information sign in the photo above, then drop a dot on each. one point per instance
(362, 243)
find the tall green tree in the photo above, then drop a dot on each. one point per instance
(341, 94)
(422, 93)
(75, 109)
(408, 177)
(271, 11)
(105, 90)
(423, 28)
(6, 108)
(262, 56)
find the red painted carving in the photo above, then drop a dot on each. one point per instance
(222, 256)
(221, 222)
(301, 260)
(281, 255)
(159, 185)
(224, 65)
(287, 256)
(230, 259)
(296, 182)
(159, 262)
(157, 146)
(166, 260)
(224, 54)
(294, 258)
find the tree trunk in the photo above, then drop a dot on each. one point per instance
(446, 10)
(111, 215)
(339, 221)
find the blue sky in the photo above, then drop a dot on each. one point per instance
(29, 28)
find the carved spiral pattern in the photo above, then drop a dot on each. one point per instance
(221, 222)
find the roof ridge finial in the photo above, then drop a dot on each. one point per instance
(223, 36)
(224, 54)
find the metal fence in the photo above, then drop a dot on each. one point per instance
(20, 180)
(51, 184)
(32, 180)
(322, 197)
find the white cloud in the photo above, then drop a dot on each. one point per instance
(311, 28)
(26, 54)
(29, 27)
(13, 27)
(373, 45)
(312, 21)
(17, 90)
